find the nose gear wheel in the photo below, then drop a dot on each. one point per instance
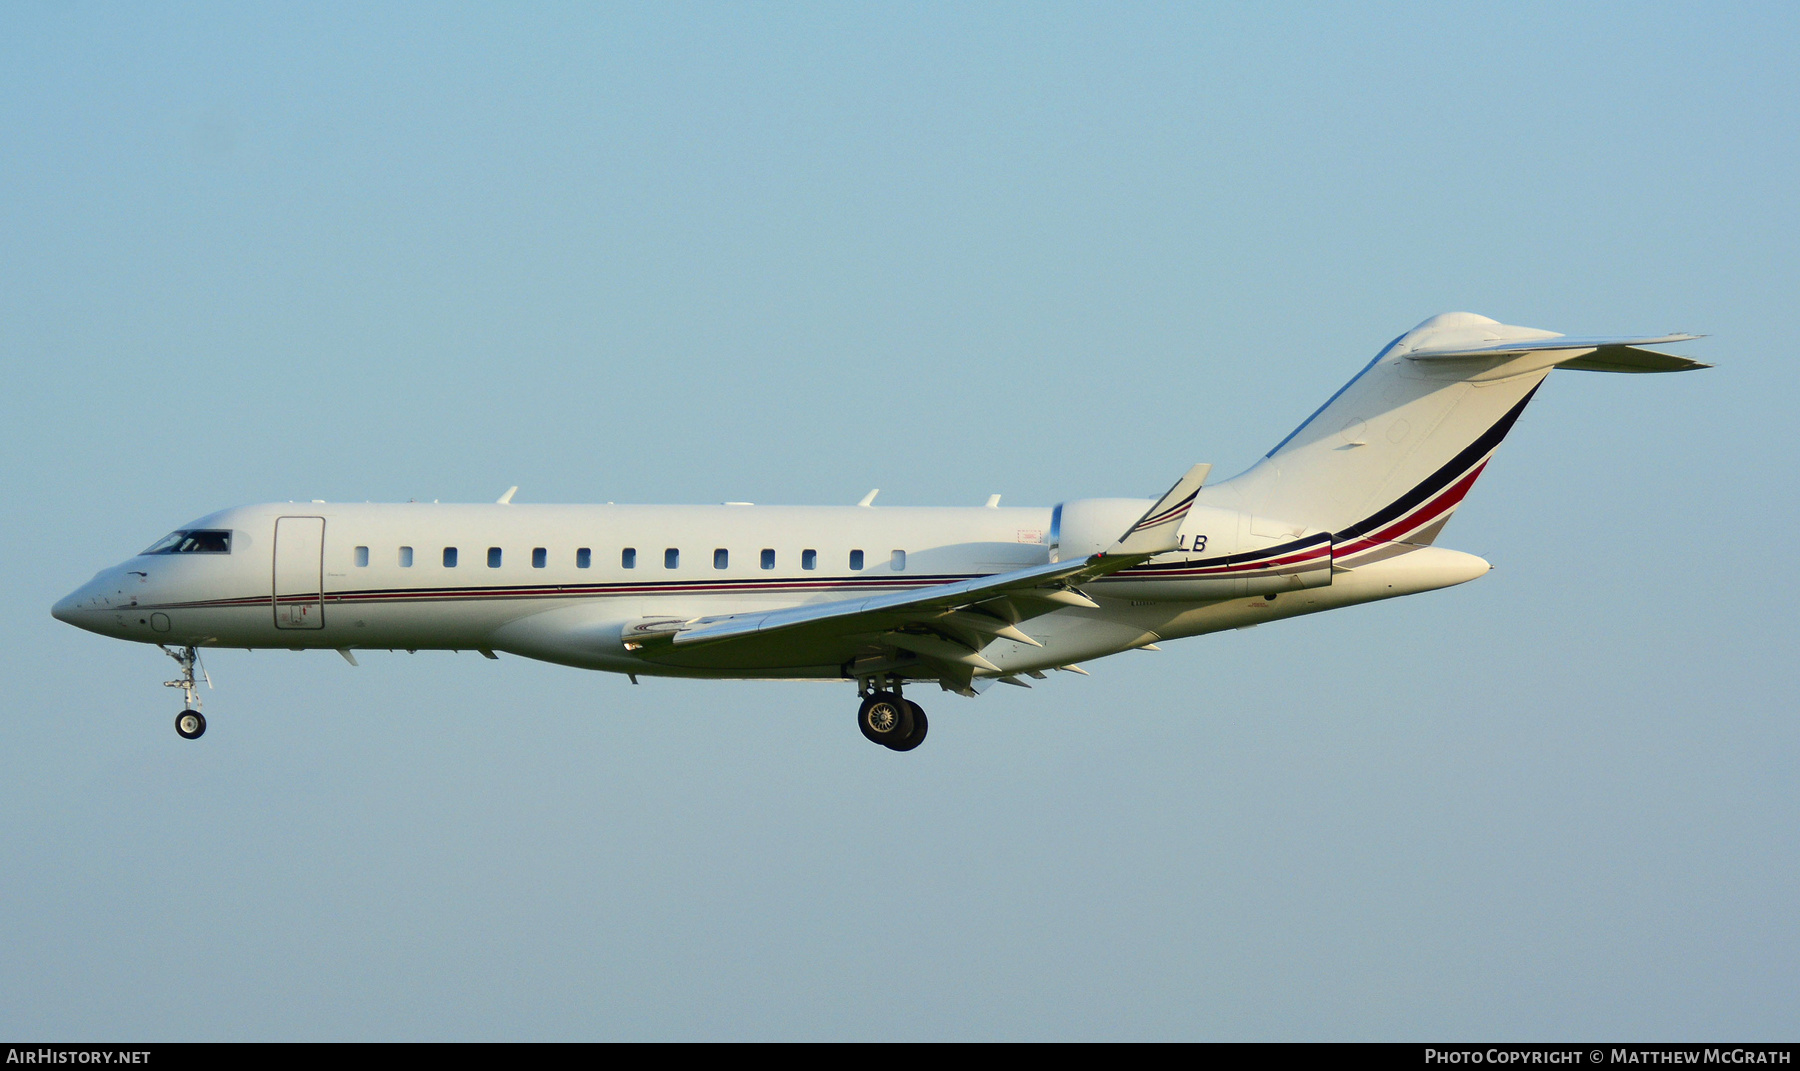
(191, 724)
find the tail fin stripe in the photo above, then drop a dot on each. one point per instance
(1474, 454)
(1437, 507)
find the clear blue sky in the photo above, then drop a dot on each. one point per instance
(788, 253)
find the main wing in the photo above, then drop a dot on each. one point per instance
(947, 624)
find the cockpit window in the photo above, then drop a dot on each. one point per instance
(193, 541)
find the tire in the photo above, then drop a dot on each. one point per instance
(920, 726)
(191, 724)
(885, 718)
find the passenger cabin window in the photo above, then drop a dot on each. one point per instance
(449, 557)
(768, 559)
(406, 557)
(721, 558)
(671, 558)
(493, 557)
(628, 558)
(539, 557)
(584, 558)
(898, 560)
(855, 559)
(809, 559)
(362, 557)
(193, 541)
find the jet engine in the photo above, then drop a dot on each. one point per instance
(1090, 525)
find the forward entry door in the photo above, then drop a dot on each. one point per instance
(299, 572)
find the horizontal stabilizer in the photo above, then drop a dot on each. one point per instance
(1631, 359)
(1597, 354)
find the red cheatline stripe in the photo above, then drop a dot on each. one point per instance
(1314, 546)
(1319, 553)
(587, 590)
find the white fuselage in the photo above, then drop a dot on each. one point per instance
(559, 583)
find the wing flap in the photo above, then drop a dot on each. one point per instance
(939, 598)
(939, 649)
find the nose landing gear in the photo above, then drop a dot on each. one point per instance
(891, 720)
(190, 723)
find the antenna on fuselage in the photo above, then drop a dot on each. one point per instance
(869, 499)
(506, 499)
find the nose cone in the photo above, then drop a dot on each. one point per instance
(84, 607)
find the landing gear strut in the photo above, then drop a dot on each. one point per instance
(190, 723)
(889, 719)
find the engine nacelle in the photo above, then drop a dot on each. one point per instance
(1221, 553)
(1090, 525)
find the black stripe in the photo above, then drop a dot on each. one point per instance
(1294, 547)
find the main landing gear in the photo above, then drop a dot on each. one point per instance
(190, 723)
(889, 719)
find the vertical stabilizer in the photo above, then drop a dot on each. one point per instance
(1391, 454)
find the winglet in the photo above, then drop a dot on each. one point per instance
(1155, 531)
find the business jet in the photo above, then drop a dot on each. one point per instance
(1345, 510)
